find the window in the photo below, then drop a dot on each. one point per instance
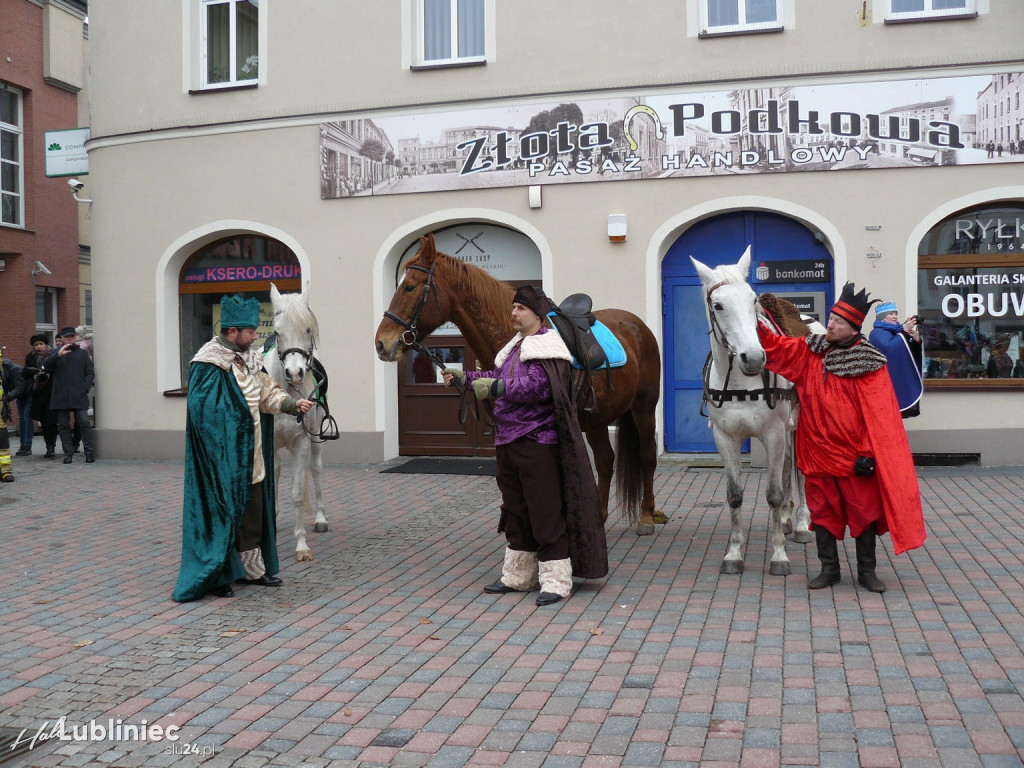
(245, 264)
(231, 42)
(725, 16)
(11, 206)
(970, 269)
(452, 31)
(909, 10)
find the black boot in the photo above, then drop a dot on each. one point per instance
(866, 561)
(828, 554)
(49, 452)
(68, 458)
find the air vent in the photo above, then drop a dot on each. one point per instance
(946, 459)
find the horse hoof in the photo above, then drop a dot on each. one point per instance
(645, 529)
(659, 517)
(779, 569)
(304, 556)
(320, 528)
(732, 566)
(803, 537)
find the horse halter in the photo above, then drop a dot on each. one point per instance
(769, 391)
(716, 327)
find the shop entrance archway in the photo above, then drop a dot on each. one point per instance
(788, 260)
(428, 412)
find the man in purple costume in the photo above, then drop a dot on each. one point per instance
(551, 514)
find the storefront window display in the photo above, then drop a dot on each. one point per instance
(971, 298)
(246, 265)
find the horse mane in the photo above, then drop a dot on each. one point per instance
(482, 289)
(785, 314)
(729, 274)
(297, 312)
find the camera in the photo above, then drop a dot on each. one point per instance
(75, 184)
(74, 346)
(917, 318)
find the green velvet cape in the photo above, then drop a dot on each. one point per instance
(219, 444)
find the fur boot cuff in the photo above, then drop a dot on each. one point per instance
(519, 570)
(556, 576)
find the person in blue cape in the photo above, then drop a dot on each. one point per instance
(901, 345)
(228, 532)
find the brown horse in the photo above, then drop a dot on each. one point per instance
(437, 288)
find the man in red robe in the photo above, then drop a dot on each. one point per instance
(850, 442)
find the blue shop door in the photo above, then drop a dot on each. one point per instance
(722, 240)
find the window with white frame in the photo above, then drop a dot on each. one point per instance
(452, 31)
(11, 153)
(909, 10)
(725, 16)
(231, 42)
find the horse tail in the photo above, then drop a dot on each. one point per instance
(629, 471)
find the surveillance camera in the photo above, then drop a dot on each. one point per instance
(40, 267)
(75, 184)
(819, 237)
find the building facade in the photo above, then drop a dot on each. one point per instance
(839, 146)
(42, 257)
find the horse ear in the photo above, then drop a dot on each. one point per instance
(427, 249)
(706, 273)
(275, 294)
(743, 265)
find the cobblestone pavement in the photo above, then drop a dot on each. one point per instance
(385, 651)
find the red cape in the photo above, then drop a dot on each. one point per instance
(843, 418)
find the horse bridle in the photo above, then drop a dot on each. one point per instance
(411, 335)
(328, 426)
(717, 397)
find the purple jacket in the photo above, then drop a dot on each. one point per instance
(527, 408)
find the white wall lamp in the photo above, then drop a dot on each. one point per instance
(617, 227)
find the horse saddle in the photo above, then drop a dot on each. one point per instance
(591, 343)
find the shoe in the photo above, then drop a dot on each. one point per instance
(6, 478)
(498, 588)
(77, 450)
(866, 561)
(548, 598)
(49, 453)
(224, 590)
(68, 458)
(828, 554)
(263, 581)
(23, 451)
(90, 458)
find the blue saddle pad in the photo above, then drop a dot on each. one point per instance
(612, 347)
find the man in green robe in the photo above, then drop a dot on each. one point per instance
(228, 527)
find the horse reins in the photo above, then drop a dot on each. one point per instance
(769, 391)
(328, 429)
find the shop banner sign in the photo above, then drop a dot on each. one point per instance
(779, 129)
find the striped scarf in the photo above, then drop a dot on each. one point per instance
(846, 362)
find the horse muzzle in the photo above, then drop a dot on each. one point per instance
(390, 353)
(751, 363)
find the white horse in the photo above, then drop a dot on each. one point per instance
(745, 401)
(290, 363)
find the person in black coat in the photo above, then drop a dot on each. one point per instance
(71, 378)
(33, 364)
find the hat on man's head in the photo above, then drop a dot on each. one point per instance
(39, 337)
(534, 299)
(885, 307)
(236, 312)
(67, 330)
(853, 306)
